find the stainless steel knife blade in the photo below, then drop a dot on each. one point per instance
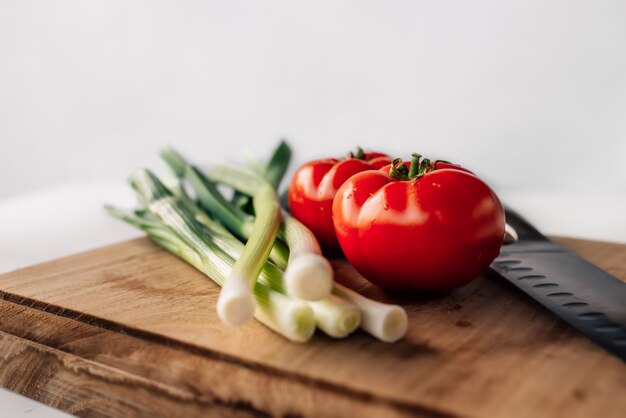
(586, 297)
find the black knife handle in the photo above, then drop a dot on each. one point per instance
(583, 295)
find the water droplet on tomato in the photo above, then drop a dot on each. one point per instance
(348, 196)
(386, 206)
(354, 189)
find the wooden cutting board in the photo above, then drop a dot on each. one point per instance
(129, 330)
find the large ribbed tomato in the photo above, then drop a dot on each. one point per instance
(432, 228)
(314, 185)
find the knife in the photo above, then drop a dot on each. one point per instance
(586, 297)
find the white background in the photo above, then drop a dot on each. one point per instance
(529, 94)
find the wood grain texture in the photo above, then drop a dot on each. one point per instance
(129, 330)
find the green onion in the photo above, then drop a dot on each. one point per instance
(336, 316)
(308, 275)
(273, 172)
(211, 200)
(275, 169)
(240, 179)
(235, 304)
(291, 318)
(386, 322)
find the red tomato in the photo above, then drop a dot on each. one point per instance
(314, 185)
(436, 231)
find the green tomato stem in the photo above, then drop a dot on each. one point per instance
(424, 165)
(359, 154)
(415, 163)
(399, 170)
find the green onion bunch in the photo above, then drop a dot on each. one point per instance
(268, 264)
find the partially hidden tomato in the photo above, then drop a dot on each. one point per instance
(418, 226)
(314, 185)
